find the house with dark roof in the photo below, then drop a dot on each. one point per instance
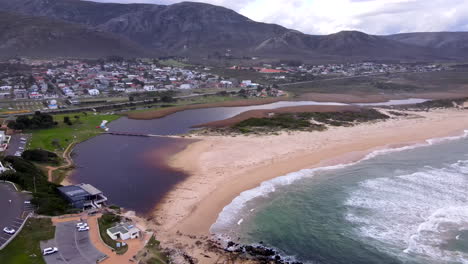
(83, 196)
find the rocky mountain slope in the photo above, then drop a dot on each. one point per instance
(197, 29)
(33, 36)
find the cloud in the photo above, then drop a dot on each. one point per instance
(330, 16)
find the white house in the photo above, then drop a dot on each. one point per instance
(123, 231)
(93, 92)
(149, 88)
(5, 87)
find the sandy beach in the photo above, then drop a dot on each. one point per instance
(221, 167)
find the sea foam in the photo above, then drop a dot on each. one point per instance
(232, 213)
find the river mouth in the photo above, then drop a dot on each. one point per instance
(132, 171)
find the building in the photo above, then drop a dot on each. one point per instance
(83, 196)
(93, 92)
(53, 104)
(123, 231)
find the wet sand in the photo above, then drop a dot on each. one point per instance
(221, 167)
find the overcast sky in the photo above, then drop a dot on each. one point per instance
(330, 16)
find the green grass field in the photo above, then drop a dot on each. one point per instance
(58, 138)
(25, 248)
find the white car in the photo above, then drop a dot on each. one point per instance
(23, 139)
(49, 250)
(8, 230)
(81, 229)
(22, 148)
(17, 154)
(27, 202)
(80, 225)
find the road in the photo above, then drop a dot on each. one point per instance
(14, 212)
(15, 143)
(74, 247)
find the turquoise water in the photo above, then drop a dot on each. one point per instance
(408, 206)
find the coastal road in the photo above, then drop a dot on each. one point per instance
(14, 212)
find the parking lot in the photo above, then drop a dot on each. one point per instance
(14, 210)
(17, 144)
(73, 247)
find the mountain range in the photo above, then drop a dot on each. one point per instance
(76, 28)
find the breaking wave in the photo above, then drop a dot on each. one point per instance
(232, 213)
(414, 215)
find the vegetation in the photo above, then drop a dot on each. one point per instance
(442, 103)
(386, 83)
(59, 137)
(106, 221)
(152, 254)
(37, 121)
(173, 63)
(344, 118)
(307, 121)
(45, 194)
(40, 155)
(25, 248)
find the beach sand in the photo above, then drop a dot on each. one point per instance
(221, 167)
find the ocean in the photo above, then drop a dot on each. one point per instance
(408, 205)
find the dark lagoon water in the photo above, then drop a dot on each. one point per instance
(406, 206)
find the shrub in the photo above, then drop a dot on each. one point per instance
(40, 155)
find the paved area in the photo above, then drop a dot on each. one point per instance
(14, 210)
(74, 247)
(16, 143)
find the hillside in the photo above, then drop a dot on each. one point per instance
(448, 41)
(39, 36)
(200, 30)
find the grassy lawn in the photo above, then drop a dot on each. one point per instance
(107, 221)
(25, 248)
(58, 138)
(173, 63)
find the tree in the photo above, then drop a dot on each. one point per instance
(167, 99)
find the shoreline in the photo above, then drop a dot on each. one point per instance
(221, 167)
(156, 113)
(162, 112)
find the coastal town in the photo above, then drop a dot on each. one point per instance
(27, 84)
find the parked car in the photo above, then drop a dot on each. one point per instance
(23, 139)
(80, 225)
(27, 202)
(8, 230)
(49, 250)
(85, 228)
(22, 148)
